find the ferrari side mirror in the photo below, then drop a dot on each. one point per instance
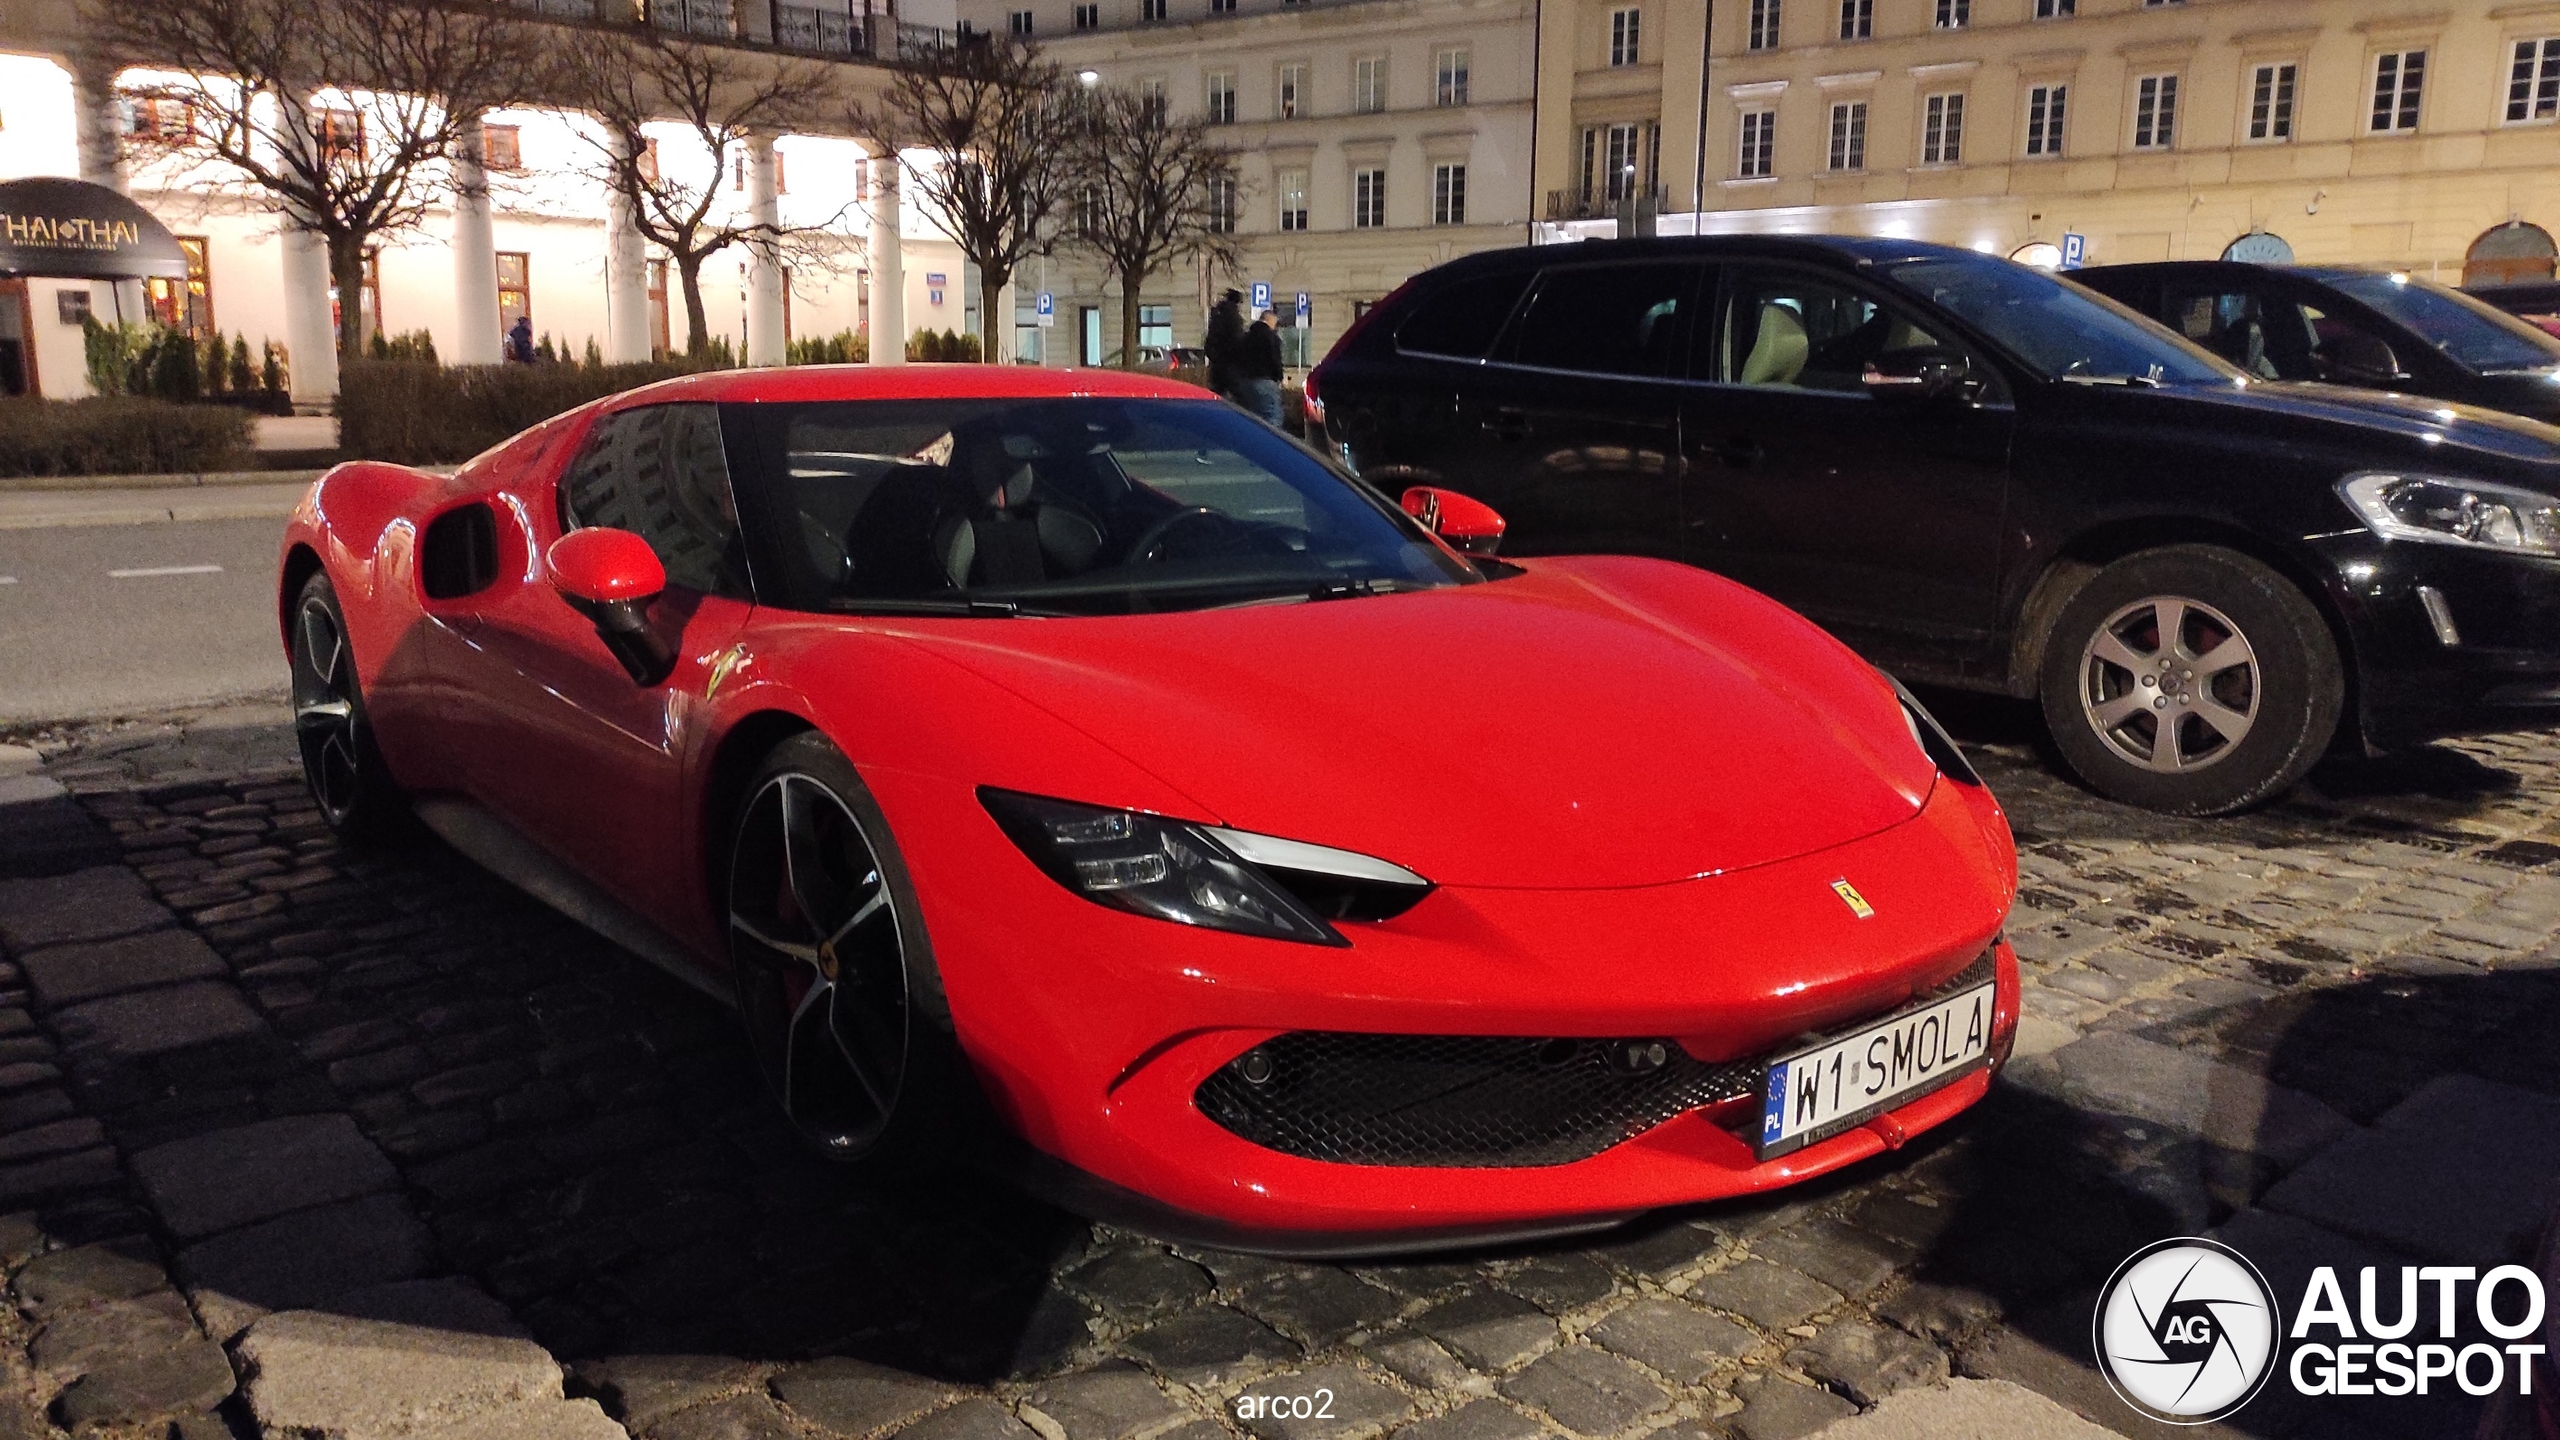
(1469, 525)
(610, 576)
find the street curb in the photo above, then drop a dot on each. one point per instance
(49, 510)
(16, 484)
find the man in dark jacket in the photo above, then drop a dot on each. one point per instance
(520, 341)
(1226, 332)
(1258, 369)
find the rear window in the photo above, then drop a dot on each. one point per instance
(1460, 320)
(1607, 320)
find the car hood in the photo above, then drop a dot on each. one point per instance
(2298, 410)
(1596, 722)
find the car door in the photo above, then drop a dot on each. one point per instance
(1572, 429)
(2244, 318)
(1398, 401)
(1818, 476)
(568, 747)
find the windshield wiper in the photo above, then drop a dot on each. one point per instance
(933, 605)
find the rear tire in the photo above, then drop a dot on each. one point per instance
(843, 1005)
(2191, 680)
(340, 761)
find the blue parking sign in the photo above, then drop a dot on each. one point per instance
(1044, 307)
(2075, 250)
(1305, 307)
(1261, 294)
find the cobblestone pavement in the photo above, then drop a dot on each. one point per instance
(295, 1141)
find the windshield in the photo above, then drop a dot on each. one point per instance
(2470, 334)
(1056, 506)
(2059, 329)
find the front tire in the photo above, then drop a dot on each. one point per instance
(340, 761)
(2191, 680)
(843, 1005)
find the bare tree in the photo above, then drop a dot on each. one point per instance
(1152, 191)
(999, 119)
(718, 94)
(345, 114)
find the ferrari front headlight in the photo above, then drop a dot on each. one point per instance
(2440, 510)
(1202, 875)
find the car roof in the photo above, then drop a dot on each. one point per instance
(2307, 272)
(794, 383)
(1840, 250)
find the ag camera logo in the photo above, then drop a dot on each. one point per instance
(2186, 1330)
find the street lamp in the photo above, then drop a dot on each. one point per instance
(1088, 78)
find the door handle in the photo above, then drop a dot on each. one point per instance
(1507, 423)
(1741, 451)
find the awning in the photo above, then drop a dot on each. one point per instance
(66, 229)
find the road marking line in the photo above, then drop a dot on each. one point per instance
(164, 570)
(8, 579)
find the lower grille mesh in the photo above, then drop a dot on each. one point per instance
(1468, 1101)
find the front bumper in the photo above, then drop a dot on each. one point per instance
(2503, 673)
(1092, 1031)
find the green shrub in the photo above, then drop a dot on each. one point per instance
(416, 413)
(845, 347)
(114, 353)
(122, 435)
(176, 373)
(244, 380)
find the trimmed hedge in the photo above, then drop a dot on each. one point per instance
(123, 435)
(414, 412)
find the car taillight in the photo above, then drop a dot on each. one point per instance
(1314, 403)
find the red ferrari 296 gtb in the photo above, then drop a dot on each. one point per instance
(1069, 771)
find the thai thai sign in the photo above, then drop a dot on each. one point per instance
(73, 230)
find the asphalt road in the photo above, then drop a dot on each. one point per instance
(126, 619)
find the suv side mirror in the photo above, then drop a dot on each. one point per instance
(2352, 357)
(1922, 375)
(1469, 525)
(610, 576)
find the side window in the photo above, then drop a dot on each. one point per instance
(1462, 320)
(2241, 327)
(660, 471)
(1809, 332)
(1607, 319)
(2344, 352)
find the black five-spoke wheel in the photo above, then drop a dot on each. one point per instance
(842, 1007)
(339, 761)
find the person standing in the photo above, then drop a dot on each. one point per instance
(520, 341)
(1226, 332)
(1258, 364)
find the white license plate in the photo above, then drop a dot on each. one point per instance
(1817, 1093)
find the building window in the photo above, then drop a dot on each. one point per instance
(2044, 119)
(1451, 88)
(167, 120)
(1222, 7)
(501, 149)
(1151, 93)
(1763, 30)
(1292, 90)
(1020, 22)
(646, 162)
(1626, 44)
(1222, 97)
(1222, 205)
(1369, 198)
(2155, 112)
(1369, 84)
(1953, 14)
(2533, 86)
(1449, 195)
(1151, 9)
(2271, 102)
(185, 305)
(515, 288)
(341, 135)
(1619, 175)
(1155, 327)
(2056, 9)
(1942, 130)
(1293, 199)
(2398, 77)
(1759, 144)
(1089, 17)
(2155, 4)
(1857, 19)
(1849, 135)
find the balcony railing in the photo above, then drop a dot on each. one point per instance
(821, 32)
(567, 9)
(717, 19)
(1596, 203)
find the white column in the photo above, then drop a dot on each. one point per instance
(475, 255)
(888, 266)
(310, 339)
(764, 256)
(100, 121)
(626, 277)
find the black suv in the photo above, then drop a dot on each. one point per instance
(2367, 328)
(1986, 477)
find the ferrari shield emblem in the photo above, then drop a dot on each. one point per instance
(1850, 897)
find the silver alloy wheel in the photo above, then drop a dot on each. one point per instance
(2170, 684)
(324, 710)
(821, 966)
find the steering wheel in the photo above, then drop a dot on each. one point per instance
(1144, 550)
